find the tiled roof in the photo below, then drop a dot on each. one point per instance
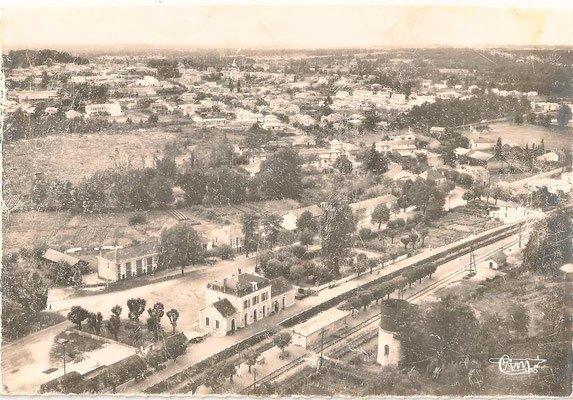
(56, 256)
(134, 251)
(225, 308)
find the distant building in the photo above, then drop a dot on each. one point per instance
(508, 212)
(433, 175)
(241, 300)
(113, 109)
(479, 174)
(389, 349)
(497, 261)
(59, 257)
(290, 217)
(326, 323)
(129, 262)
(364, 209)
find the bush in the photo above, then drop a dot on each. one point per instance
(298, 251)
(286, 238)
(224, 251)
(137, 219)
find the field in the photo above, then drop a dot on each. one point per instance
(554, 138)
(65, 231)
(456, 226)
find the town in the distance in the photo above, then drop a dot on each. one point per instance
(258, 222)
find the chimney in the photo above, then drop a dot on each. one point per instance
(225, 285)
(239, 271)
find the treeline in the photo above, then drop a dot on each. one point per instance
(108, 190)
(450, 113)
(127, 189)
(166, 69)
(25, 58)
(19, 125)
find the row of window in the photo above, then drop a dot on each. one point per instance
(255, 300)
(129, 272)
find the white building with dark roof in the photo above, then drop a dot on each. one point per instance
(129, 262)
(242, 299)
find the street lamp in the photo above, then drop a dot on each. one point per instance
(63, 342)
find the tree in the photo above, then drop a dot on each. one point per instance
(116, 310)
(153, 119)
(214, 379)
(297, 272)
(375, 162)
(306, 238)
(281, 176)
(343, 165)
(468, 196)
(173, 316)
(250, 357)
(564, 116)
(282, 340)
(380, 214)
(306, 221)
(359, 266)
(136, 308)
(365, 299)
(77, 315)
(405, 241)
(179, 245)
(337, 227)
(114, 325)
(229, 369)
(498, 148)
(371, 119)
(549, 246)
(272, 225)
(250, 226)
(423, 232)
(194, 184)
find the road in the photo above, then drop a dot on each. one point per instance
(24, 360)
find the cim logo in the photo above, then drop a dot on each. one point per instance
(518, 366)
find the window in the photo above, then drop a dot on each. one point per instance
(149, 262)
(386, 350)
(264, 296)
(204, 245)
(206, 321)
(246, 304)
(216, 324)
(491, 264)
(255, 300)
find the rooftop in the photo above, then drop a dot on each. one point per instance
(240, 284)
(225, 308)
(133, 251)
(320, 321)
(56, 256)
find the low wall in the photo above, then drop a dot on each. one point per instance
(101, 338)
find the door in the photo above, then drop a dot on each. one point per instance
(254, 315)
(264, 310)
(276, 306)
(246, 319)
(233, 324)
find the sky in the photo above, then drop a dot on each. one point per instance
(287, 25)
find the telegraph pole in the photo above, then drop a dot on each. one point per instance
(321, 348)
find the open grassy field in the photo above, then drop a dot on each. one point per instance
(553, 137)
(65, 231)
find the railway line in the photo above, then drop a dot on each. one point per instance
(351, 336)
(178, 379)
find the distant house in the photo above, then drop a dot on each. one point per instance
(481, 143)
(479, 158)
(364, 209)
(548, 157)
(113, 109)
(497, 261)
(479, 174)
(437, 131)
(31, 95)
(241, 300)
(310, 332)
(290, 217)
(509, 212)
(128, 262)
(433, 175)
(71, 114)
(59, 257)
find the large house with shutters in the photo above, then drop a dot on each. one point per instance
(242, 299)
(128, 262)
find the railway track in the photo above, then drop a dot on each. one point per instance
(364, 325)
(440, 258)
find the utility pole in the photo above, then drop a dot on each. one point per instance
(321, 348)
(254, 379)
